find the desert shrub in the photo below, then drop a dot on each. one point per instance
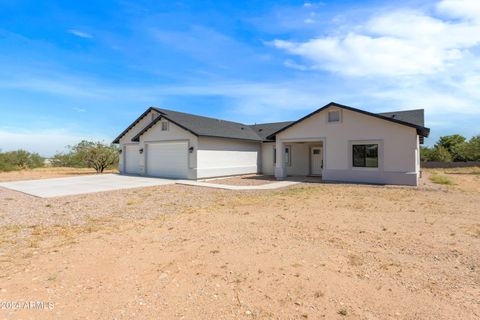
(88, 154)
(439, 153)
(441, 179)
(67, 160)
(20, 159)
(5, 165)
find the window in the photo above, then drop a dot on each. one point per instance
(164, 126)
(286, 156)
(365, 155)
(334, 116)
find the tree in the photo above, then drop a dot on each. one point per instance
(441, 154)
(20, 159)
(472, 149)
(69, 159)
(96, 155)
(455, 145)
(425, 153)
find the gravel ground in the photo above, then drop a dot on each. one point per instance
(246, 180)
(20, 209)
(256, 180)
(311, 251)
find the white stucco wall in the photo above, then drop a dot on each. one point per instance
(398, 145)
(174, 133)
(268, 167)
(218, 157)
(300, 162)
(127, 138)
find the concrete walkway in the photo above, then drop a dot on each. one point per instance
(268, 186)
(59, 187)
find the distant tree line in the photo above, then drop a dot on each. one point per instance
(86, 154)
(453, 148)
(20, 160)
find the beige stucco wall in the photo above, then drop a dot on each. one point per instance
(300, 158)
(174, 133)
(268, 166)
(398, 145)
(218, 157)
(127, 138)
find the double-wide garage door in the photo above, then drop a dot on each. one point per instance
(167, 159)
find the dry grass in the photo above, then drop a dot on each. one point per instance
(464, 179)
(441, 179)
(45, 173)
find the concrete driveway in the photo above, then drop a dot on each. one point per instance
(48, 188)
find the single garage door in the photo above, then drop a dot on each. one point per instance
(132, 159)
(167, 159)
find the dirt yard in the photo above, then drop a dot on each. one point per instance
(312, 251)
(46, 173)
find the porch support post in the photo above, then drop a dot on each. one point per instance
(280, 170)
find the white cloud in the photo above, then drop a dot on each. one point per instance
(80, 34)
(398, 43)
(404, 58)
(460, 9)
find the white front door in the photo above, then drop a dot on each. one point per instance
(316, 161)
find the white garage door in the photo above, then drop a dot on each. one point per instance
(132, 159)
(167, 159)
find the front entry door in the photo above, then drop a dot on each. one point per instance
(316, 161)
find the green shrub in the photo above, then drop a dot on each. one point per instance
(67, 160)
(440, 179)
(20, 159)
(88, 154)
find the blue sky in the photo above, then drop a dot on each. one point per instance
(72, 70)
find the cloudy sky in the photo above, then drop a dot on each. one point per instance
(72, 70)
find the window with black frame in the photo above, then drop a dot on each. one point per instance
(365, 155)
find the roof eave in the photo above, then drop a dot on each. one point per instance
(154, 122)
(117, 139)
(423, 131)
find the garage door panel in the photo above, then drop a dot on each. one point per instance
(132, 159)
(167, 159)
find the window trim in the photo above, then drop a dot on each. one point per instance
(366, 142)
(167, 126)
(365, 158)
(289, 163)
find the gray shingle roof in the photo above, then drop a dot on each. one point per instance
(263, 130)
(411, 116)
(205, 126)
(211, 127)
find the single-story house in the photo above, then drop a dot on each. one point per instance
(335, 142)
